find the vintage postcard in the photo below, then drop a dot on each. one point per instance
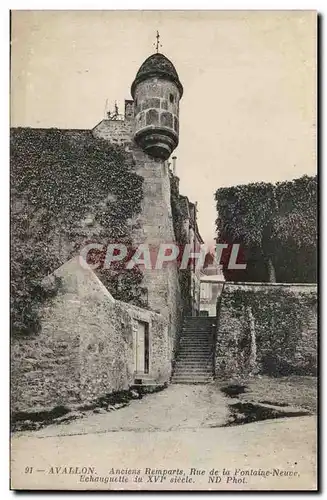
(163, 250)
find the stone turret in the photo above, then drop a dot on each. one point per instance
(157, 91)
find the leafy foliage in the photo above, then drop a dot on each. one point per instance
(67, 189)
(184, 275)
(274, 224)
(283, 321)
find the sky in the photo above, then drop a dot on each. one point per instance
(248, 112)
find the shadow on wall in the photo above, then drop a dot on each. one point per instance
(268, 329)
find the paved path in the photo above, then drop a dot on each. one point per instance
(177, 407)
(177, 428)
(285, 445)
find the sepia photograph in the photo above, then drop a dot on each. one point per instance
(163, 250)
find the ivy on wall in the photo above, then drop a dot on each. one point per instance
(67, 189)
(178, 214)
(276, 226)
(284, 326)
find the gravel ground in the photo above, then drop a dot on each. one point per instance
(286, 446)
(177, 407)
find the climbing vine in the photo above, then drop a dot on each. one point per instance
(280, 319)
(178, 215)
(67, 189)
(276, 226)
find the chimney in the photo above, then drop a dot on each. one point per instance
(174, 158)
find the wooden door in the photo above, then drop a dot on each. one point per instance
(141, 348)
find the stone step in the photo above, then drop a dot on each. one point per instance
(191, 361)
(194, 326)
(195, 361)
(192, 380)
(190, 320)
(192, 376)
(199, 372)
(196, 331)
(196, 352)
(192, 369)
(202, 326)
(205, 329)
(205, 338)
(196, 335)
(198, 318)
(196, 340)
(204, 364)
(186, 340)
(203, 373)
(197, 345)
(203, 367)
(202, 329)
(194, 355)
(196, 349)
(189, 370)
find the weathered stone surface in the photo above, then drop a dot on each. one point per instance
(85, 347)
(118, 132)
(266, 328)
(153, 226)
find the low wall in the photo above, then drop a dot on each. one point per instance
(266, 328)
(85, 347)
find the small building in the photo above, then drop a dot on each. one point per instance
(212, 284)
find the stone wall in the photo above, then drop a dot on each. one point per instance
(115, 131)
(156, 227)
(85, 347)
(153, 226)
(265, 328)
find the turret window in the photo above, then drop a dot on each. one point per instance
(171, 98)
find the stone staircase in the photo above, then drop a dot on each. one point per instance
(194, 360)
